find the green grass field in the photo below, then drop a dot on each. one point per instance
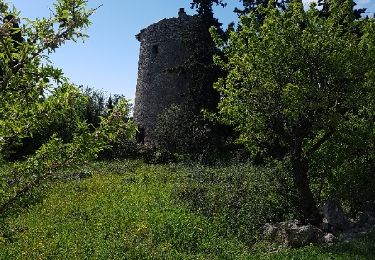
(128, 210)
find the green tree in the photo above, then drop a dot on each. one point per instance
(252, 5)
(204, 7)
(326, 6)
(96, 106)
(200, 64)
(297, 80)
(34, 94)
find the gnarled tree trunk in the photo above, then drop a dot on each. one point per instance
(307, 202)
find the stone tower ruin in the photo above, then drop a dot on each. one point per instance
(164, 47)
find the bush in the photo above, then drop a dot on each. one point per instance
(179, 129)
(56, 154)
(181, 133)
(89, 106)
(120, 148)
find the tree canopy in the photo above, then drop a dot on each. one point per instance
(296, 81)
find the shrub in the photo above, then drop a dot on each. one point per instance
(181, 133)
(89, 106)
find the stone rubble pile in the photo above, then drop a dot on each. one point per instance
(336, 227)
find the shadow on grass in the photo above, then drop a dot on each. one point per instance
(362, 248)
(359, 249)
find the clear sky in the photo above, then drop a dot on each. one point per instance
(108, 60)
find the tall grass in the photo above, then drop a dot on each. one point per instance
(129, 210)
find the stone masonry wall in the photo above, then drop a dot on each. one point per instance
(163, 48)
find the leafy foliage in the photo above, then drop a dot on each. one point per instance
(55, 154)
(297, 80)
(326, 8)
(253, 5)
(181, 131)
(30, 104)
(204, 7)
(25, 81)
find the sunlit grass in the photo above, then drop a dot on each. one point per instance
(128, 210)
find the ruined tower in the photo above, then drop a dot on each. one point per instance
(164, 47)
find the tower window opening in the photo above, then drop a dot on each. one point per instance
(155, 49)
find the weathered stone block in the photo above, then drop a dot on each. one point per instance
(335, 216)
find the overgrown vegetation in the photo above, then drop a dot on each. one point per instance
(34, 111)
(239, 198)
(127, 209)
(303, 82)
(297, 86)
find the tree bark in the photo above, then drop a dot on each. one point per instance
(307, 202)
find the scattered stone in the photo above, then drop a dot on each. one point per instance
(292, 234)
(304, 235)
(325, 226)
(336, 227)
(329, 239)
(335, 216)
(269, 231)
(78, 175)
(362, 218)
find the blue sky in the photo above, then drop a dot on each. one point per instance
(108, 60)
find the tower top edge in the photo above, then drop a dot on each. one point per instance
(182, 17)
